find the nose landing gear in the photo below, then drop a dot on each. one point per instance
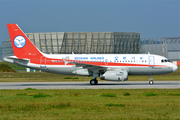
(150, 80)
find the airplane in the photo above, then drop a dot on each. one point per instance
(110, 67)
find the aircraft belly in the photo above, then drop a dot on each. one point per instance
(62, 70)
(149, 70)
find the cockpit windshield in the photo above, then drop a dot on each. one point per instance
(165, 60)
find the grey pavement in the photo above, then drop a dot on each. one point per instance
(86, 85)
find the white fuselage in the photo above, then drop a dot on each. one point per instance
(135, 64)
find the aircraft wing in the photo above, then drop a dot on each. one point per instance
(88, 66)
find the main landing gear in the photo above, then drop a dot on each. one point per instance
(150, 80)
(94, 80)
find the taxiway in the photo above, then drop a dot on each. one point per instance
(86, 85)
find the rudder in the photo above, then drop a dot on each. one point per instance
(23, 48)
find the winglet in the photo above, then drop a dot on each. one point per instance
(23, 48)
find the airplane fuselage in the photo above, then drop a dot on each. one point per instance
(113, 67)
(135, 64)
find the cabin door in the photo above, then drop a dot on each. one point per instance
(151, 61)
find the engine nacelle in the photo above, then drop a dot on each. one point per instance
(115, 75)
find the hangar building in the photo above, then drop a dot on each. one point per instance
(167, 46)
(81, 43)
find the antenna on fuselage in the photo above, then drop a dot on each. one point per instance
(148, 53)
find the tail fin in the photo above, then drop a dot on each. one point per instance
(23, 48)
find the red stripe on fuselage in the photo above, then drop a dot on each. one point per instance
(49, 61)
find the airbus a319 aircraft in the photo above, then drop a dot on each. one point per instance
(111, 67)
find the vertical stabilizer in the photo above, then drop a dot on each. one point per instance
(23, 48)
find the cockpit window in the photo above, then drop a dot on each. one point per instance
(168, 60)
(165, 60)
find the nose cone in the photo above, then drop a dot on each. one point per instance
(175, 68)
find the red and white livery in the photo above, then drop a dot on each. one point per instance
(112, 67)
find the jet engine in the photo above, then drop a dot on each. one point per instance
(120, 75)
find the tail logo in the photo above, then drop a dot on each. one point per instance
(19, 41)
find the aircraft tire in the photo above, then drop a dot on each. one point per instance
(151, 82)
(93, 82)
(96, 82)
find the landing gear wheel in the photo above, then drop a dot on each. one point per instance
(151, 82)
(93, 82)
(96, 82)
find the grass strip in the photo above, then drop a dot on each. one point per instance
(90, 104)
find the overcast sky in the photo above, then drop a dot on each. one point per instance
(152, 18)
